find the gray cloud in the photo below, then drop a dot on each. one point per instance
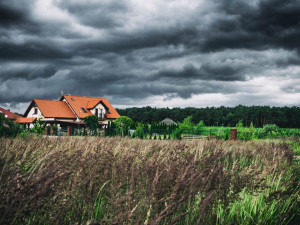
(128, 51)
(102, 14)
(26, 72)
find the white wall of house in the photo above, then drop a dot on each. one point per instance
(100, 108)
(32, 114)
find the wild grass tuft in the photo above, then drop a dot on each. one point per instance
(81, 180)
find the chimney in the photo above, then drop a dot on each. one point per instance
(8, 110)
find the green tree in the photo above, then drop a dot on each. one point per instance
(38, 127)
(123, 123)
(240, 124)
(91, 122)
(7, 127)
(187, 125)
(199, 127)
(140, 131)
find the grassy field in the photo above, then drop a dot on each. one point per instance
(86, 180)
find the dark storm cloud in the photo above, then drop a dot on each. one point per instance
(267, 24)
(26, 72)
(31, 51)
(207, 71)
(9, 16)
(125, 49)
(13, 12)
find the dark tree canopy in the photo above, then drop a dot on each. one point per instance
(285, 117)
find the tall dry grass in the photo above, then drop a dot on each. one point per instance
(76, 180)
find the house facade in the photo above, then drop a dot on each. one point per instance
(69, 110)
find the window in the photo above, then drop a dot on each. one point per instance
(101, 114)
(83, 109)
(96, 112)
(35, 111)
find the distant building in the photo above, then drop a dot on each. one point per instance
(168, 121)
(69, 110)
(8, 114)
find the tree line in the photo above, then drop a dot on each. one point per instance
(285, 117)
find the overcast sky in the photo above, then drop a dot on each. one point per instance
(163, 53)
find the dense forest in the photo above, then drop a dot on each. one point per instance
(285, 117)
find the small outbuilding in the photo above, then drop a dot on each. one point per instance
(168, 121)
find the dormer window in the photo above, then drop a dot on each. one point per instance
(83, 109)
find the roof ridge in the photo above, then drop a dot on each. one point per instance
(84, 96)
(46, 100)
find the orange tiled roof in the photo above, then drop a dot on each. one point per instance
(9, 114)
(56, 109)
(92, 104)
(24, 120)
(83, 104)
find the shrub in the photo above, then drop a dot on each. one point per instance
(199, 127)
(7, 127)
(38, 127)
(139, 132)
(122, 124)
(92, 122)
(240, 124)
(271, 130)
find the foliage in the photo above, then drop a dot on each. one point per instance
(92, 122)
(38, 127)
(122, 124)
(240, 124)
(140, 131)
(199, 127)
(187, 125)
(285, 117)
(7, 127)
(271, 130)
(118, 180)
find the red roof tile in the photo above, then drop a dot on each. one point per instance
(24, 120)
(92, 104)
(54, 109)
(9, 114)
(83, 104)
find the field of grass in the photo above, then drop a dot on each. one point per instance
(90, 180)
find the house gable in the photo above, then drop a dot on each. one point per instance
(83, 106)
(49, 109)
(100, 110)
(33, 111)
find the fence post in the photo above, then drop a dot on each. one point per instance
(51, 130)
(69, 130)
(233, 134)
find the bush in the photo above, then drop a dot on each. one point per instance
(271, 130)
(199, 127)
(8, 128)
(176, 134)
(122, 124)
(139, 132)
(92, 122)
